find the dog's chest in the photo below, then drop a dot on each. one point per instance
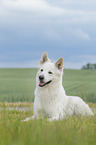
(48, 101)
(48, 105)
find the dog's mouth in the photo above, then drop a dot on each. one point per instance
(42, 84)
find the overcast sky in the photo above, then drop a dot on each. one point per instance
(63, 28)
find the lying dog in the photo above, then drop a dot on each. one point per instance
(51, 102)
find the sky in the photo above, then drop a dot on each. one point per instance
(63, 28)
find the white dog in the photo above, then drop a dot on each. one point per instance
(51, 102)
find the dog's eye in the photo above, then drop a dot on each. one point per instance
(50, 72)
(41, 69)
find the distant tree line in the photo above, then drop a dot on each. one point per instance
(89, 66)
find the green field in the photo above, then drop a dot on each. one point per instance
(72, 131)
(19, 84)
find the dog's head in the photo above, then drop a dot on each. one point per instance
(49, 73)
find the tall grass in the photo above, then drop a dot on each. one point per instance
(72, 131)
(19, 85)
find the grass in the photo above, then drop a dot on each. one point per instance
(74, 131)
(18, 85)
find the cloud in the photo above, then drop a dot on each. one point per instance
(63, 27)
(37, 7)
(87, 58)
(35, 64)
(24, 64)
(52, 35)
(80, 34)
(79, 61)
(73, 65)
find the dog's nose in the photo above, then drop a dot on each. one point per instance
(41, 77)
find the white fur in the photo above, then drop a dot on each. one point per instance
(51, 102)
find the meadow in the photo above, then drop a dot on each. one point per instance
(17, 85)
(72, 131)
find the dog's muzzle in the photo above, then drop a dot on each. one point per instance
(42, 84)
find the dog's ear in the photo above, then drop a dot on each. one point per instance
(44, 58)
(59, 63)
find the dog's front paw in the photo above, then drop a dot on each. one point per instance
(50, 119)
(55, 118)
(29, 118)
